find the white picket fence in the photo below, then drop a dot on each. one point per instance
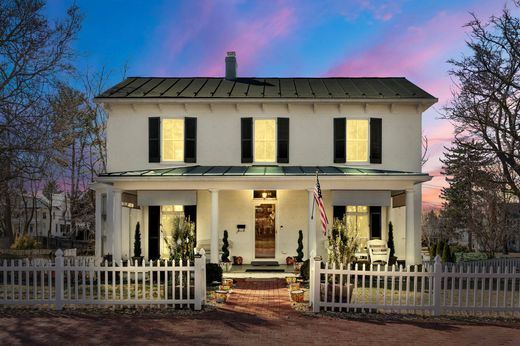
(71, 281)
(437, 290)
(489, 264)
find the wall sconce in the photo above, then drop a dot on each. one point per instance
(241, 228)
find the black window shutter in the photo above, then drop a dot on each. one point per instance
(283, 140)
(154, 224)
(190, 140)
(376, 142)
(340, 147)
(247, 139)
(375, 222)
(154, 139)
(338, 212)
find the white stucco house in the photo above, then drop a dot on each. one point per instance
(241, 154)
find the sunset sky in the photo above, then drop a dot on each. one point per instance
(273, 38)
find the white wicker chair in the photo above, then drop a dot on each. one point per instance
(378, 251)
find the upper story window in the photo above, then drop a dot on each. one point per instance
(173, 139)
(265, 140)
(357, 140)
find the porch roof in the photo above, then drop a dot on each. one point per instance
(257, 171)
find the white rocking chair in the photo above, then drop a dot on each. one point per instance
(378, 251)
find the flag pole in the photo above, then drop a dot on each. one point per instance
(314, 199)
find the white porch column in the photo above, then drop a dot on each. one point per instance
(214, 226)
(117, 231)
(413, 239)
(109, 229)
(312, 225)
(99, 224)
(113, 229)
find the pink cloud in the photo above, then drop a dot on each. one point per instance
(251, 39)
(406, 51)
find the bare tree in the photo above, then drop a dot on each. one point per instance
(33, 52)
(487, 104)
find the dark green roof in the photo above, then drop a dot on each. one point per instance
(255, 171)
(267, 88)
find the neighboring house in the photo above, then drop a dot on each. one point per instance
(513, 231)
(241, 154)
(34, 213)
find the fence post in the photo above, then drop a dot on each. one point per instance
(316, 283)
(437, 281)
(58, 267)
(200, 282)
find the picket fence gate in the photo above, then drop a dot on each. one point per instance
(70, 281)
(431, 290)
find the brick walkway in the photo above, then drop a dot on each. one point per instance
(258, 313)
(266, 298)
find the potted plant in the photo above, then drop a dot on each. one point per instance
(298, 259)
(137, 258)
(342, 246)
(391, 246)
(225, 262)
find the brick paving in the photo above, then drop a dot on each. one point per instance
(257, 313)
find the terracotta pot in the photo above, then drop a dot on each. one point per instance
(238, 260)
(289, 261)
(297, 296)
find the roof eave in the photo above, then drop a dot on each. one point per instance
(133, 100)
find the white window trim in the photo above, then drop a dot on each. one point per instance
(357, 163)
(162, 139)
(275, 140)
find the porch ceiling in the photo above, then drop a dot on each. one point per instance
(261, 171)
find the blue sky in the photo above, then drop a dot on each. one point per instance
(285, 38)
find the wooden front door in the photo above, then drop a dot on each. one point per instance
(265, 231)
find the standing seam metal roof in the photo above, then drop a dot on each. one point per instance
(267, 88)
(260, 171)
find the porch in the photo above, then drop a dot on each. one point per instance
(262, 213)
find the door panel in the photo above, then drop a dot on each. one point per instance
(265, 231)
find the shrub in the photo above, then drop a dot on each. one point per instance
(342, 243)
(213, 273)
(446, 253)
(299, 250)
(304, 270)
(439, 248)
(181, 239)
(25, 242)
(225, 248)
(137, 240)
(390, 243)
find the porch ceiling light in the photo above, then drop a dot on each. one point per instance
(264, 195)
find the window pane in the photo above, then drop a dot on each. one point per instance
(265, 140)
(357, 140)
(173, 139)
(351, 208)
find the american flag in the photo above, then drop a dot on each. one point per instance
(321, 208)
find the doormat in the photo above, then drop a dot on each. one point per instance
(265, 263)
(265, 270)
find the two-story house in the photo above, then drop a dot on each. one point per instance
(241, 154)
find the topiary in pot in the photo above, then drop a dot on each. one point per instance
(213, 273)
(225, 248)
(304, 270)
(226, 263)
(299, 250)
(390, 244)
(137, 244)
(439, 249)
